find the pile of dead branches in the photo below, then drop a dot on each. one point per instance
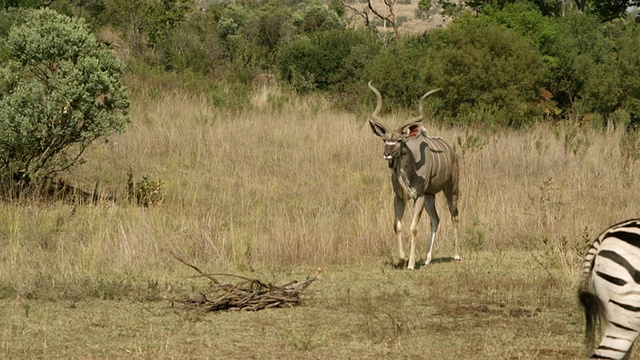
(247, 295)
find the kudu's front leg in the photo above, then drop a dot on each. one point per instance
(398, 205)
(415, 219)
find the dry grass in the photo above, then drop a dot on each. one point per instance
(367, 310)
(285, 188)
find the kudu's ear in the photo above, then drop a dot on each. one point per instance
(378, 129)
(412, 129)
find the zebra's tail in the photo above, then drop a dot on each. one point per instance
(593, 313)
(594, 310)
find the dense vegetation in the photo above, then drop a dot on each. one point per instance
(60, 92)
(513, 62)
(505, 64)
(248, 130)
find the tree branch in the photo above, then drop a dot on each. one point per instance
(357, 12)
(391, 18)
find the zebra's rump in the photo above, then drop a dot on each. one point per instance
(610, 288)
(617, 252)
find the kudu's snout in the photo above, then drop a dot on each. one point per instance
(391, 149)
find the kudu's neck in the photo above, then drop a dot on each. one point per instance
(404, 161)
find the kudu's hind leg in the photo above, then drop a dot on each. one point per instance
(452, 200)
(399, 206)
(430, 206)
(455, 221)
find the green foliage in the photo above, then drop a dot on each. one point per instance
(272, 26)
(494, 65)
(584, 74)
(164, 18)
(326, 60)
(608, 10)
(444, 7)
(485, 66)
(145, 192)
(470, 144)
(396, 72)
(9, 18)
(625, 62)
(525, 19)
(60, 91)
(316, 17)
(481, 67)
(149, 25)
(586, 71)
(250, 36)
(337, 7)
(195, 45)
(90, 10)
(6, 4)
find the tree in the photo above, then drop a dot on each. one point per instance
(388, 17)
(59, 91)
(606, 10)
(326, 60)
(481, 67)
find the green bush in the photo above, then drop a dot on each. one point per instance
(196, 45)
(628, 63)
(326, 60)
(486, 66)
(397, 72)
(317, 17)
(59, 91)
(494, 65)
(525, 19)
(607, 70)
(481, 67)
(582, 74)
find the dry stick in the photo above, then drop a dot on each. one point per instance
(195, 268)
(248, 294)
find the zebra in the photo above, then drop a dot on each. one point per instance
(610, 290)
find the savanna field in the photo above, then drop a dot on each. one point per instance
(288, 185)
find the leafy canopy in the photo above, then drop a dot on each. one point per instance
(59, 91)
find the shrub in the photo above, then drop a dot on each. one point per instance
(59, 91)
(396, 72)
(578, 51)
(482, 67)
(326, 60)
(486, 66)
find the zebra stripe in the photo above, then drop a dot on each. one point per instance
(610, 289)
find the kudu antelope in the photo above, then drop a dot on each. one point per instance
(421, 166)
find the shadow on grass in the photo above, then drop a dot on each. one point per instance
(402, 264)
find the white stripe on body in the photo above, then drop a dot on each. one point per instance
(439, 147)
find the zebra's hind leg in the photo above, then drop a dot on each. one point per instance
(616, 343)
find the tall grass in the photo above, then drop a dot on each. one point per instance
(291, 182)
